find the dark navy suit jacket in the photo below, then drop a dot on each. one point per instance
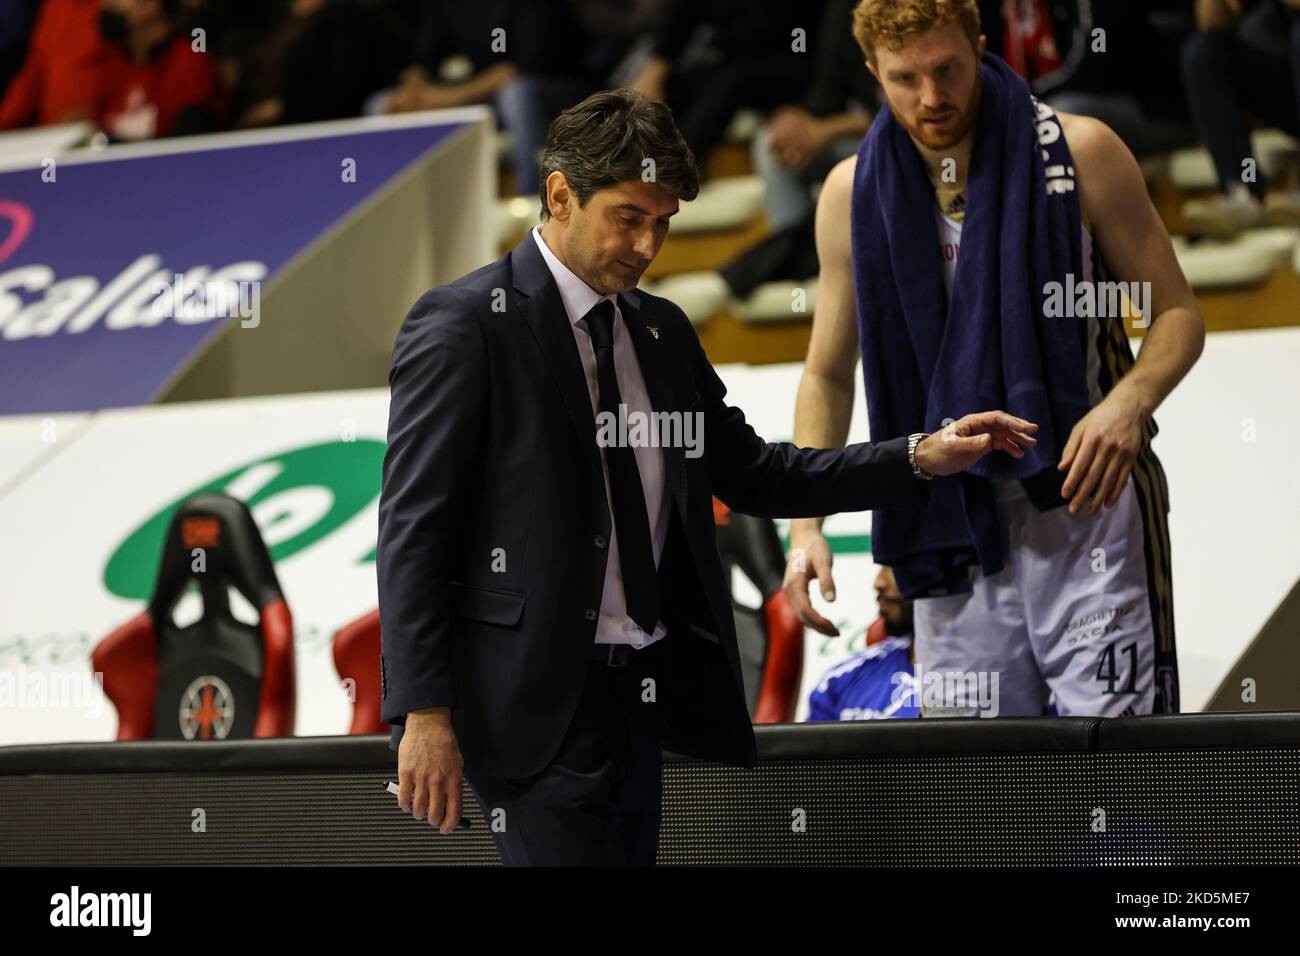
(493, 523)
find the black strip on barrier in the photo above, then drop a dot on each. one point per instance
(1006, 735)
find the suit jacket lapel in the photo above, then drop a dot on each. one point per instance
(543, 312)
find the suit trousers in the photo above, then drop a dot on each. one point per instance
(597, 802)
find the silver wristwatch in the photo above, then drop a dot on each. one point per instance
(912, 441)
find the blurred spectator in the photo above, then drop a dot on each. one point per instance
(800, 143)
(60, 77)
(789, 253)
(235, 29)
(17, 17)
(878, 682)
(318, 60)
(795, 150)
(1099, 58)
(531, 59)
(711, 58)
(1233, 66)
(579, 50)
(154, 81)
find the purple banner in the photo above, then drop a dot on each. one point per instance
(84, 248)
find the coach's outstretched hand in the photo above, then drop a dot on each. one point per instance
(970, 438)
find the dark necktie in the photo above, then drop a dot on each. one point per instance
(636, 554)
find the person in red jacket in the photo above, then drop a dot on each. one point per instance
(59, 79)
(157, 80)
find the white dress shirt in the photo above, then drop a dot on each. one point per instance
(614, 626)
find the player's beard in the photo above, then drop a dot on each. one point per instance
(897, 615)
(954, 133)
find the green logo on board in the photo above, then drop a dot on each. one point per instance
(297, 497)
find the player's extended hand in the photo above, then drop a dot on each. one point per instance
(1100, 453)
(810, 557)
(429, 769)
(971, 437)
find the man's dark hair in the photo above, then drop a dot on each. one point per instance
(605, 139)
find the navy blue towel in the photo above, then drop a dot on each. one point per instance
(928, 359)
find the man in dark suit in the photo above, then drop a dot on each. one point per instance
(553, 607)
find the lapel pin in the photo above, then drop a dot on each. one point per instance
(654, 330)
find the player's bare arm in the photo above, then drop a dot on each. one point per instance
(824, 402)
(827, 382)
(1132, 240)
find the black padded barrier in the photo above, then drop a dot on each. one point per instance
(1196, 789)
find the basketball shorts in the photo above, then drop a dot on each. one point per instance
(1080, 618)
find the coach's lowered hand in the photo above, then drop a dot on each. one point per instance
(430, 769)
(970, 438)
